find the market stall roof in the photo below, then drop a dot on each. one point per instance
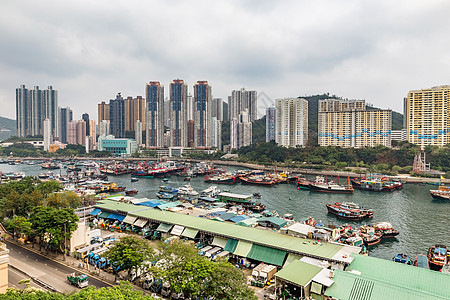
(298, 273)
(140, 222)
(231, 245)
(95, 212)
(267, 255)
(220, 242)
(239, 218)
(129, 219)
(189, 233)
(242, 248)
(177, 230)
(163, 227)
(103, 214)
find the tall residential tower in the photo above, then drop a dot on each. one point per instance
(154, 93)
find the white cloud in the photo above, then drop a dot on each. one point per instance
(90, 50)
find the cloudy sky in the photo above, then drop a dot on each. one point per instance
(90, 50)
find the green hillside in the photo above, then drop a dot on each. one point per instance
(7, 128)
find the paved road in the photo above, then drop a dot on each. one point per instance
(15, 276)
(44, 269)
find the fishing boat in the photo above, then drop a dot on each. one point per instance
(187, 190)
(303, 183)
(131, 192)
(211, 192)
(261, 180)
(437, 257)
(440, 195)
(421, 261)
(386, 229)
(165, 196)
(221, 179)
(402, 258)
(141, 173)
(322, 186)
(349, 211)
(375, 185)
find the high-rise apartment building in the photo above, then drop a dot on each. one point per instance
(81, 132)
(190, 108)
(202, 121)
(103, 112)
(65, 115)
(47, 134)
(178, 113)
(135, 109)
(347, 123)
(85, 118)
(241, 131)
(241, 100)
(427, 116)
(217, 108)
(190, 133)
(270, 123)
(291, 122)
(104, 128)
(225, 111)
(154, 93)
(138, 132)
(216, 133)
(33, 107)
(117, 116)
(72, 133)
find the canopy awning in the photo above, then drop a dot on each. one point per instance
(95, 212)
(220, 242)
(267, 255)
(117, 217)
(129, 219)
(177, 230)
(231, 245)
(140, 222)
(103, 214)
(242, 249)
(189, 233)
(163, 227)
(291, 257)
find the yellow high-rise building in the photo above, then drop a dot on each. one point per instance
(427, 121)
(347, 123)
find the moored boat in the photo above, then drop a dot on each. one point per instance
(322, 186)
(349, 211)
(386, 229)
(402, 258)
(440, 195)
(131, 192)
(437, 257)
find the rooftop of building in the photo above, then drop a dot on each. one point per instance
(333, 252)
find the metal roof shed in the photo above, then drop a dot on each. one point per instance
(163, 227)
(272, 222)
(267, 255)
(298, 273)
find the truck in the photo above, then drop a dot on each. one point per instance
(263, 274)
(77, 279)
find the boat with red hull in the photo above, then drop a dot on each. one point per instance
(437, 257)
(349, 211)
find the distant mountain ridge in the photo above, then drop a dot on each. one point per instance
(7, 128)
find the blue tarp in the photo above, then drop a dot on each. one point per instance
(227, 216)
(149, 203)
(239, 218)
(116, 217)
(95, 212)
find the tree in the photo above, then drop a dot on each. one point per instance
(49, 187)
(130, 252)
(197, 276)
(122, 291)
(64, 199)
(19, 225)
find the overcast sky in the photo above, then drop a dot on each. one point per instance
(90, 50)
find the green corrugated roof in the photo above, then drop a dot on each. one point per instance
(264, 237)
(275, 220)
(168, 205)
(190, 233)
(349, 286)
(268, 255)
(247, 222)
(164, 227)
(299, 272)
(231, 245)
(402, 275)
(291, 257)
(104, 214)
(242, 249)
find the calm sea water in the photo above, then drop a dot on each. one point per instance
(421, 220)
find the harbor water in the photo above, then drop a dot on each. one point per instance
(421, 220)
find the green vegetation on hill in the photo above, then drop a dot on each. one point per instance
(7, 128)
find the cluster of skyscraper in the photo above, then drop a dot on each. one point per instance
(182, 120)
